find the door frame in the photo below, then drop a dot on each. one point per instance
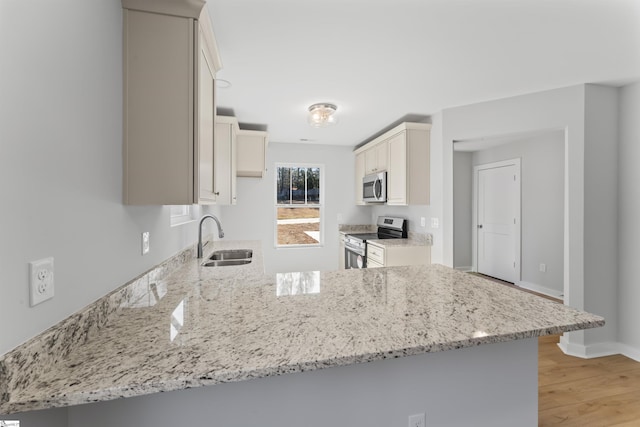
(518, 228)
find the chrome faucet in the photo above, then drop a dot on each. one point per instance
(220, 232)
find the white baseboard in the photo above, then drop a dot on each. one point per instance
(464, 269)
(590, 351)
(540, 289)
(630, 352)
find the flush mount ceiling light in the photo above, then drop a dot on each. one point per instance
(322, 114)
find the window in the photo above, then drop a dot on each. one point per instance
(298, 205)
(181, 214)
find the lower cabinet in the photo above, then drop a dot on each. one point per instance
(379, 255)
(373, 264)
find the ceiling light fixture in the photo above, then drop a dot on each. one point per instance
(322, 114)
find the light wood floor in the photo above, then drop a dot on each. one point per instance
(601, 392)
(586, 392)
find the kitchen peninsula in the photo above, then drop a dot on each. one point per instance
(443, 342)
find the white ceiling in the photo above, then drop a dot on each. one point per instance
(381, 61)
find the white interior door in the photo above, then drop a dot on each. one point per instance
(498, 219)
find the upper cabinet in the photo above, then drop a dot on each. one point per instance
(170, 61)
(252, 152)
(376, 157)
(407, 162)
(360, 160)
(227, 131)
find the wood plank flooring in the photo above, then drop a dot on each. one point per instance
(601, 392)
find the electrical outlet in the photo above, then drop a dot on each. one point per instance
(435, 223)
(41, 280)
(543, 268)
(423, 221)
(145, 242)
(417, 420)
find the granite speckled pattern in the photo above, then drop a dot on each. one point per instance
(205, 326)
(412, 240)
(356, 228)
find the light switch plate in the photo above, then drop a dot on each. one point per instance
(41, 280)
(435, 223)
(423, 221)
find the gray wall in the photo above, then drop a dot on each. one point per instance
(462, 209)
(254, 215)
(628, 220)
(542, 206)
(61, 163)
(550, 110)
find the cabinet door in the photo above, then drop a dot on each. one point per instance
(206, 116)
(158, 109)
(251, 158)
(382, 152)
(370, 161)
(397, 170)
(360, 159)
(225, 152)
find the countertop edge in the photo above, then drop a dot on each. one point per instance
(238, 376)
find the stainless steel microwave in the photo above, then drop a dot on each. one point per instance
(374, 187)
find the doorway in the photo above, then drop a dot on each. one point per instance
(496, 220)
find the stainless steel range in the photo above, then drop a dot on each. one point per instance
(355, 244)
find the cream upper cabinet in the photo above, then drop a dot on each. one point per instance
(408, 174)
(360, 157)
(225, 155)
(170, 59)
(252, 153)
(404, 152)
(375, 158)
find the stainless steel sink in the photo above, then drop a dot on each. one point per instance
(232, 254)
(229, 257)
(226, 262)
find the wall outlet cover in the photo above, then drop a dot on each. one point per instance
(41, 280)
(145, 242)
(417, 420)
(435, 223)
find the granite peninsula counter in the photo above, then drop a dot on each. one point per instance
(183, 325)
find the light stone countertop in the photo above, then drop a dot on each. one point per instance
(411, 241)
(200, 326)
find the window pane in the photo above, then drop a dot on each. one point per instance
(298, 226)
(283, 188)
(298, 185)
(313, 186)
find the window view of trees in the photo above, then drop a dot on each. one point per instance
(298, 205)
(298, 185)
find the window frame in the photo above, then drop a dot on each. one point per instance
(319, 205)
(188, 215)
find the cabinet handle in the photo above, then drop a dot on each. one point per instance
(217, 193)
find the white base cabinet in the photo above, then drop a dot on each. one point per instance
(379, 255)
